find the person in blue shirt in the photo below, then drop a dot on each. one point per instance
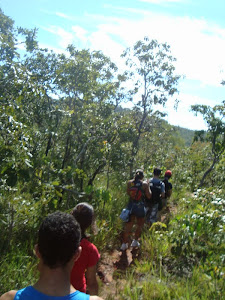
(155, 204)
(57, 249)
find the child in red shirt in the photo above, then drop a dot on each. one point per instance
(84, 270)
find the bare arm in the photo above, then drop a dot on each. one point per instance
(147, 190)
(8, 296)
(128, 186)
(95, 298)
(92, 283)
(163, 195)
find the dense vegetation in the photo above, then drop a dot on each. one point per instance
(65, 139)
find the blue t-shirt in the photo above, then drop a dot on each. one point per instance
(29, 293)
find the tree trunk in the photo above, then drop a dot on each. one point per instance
(208, 171)
(135, 146)
(97, 171)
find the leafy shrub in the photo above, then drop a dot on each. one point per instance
(199, 235)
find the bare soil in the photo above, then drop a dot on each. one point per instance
(113, 265)
(112, 269)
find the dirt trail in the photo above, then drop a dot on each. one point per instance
(113, 265)
(110, 269)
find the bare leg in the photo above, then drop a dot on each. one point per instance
(140, 224)
(127, 229)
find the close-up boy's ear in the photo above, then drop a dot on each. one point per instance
(36, 251)
(78, 253)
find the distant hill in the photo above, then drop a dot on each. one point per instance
(186, 134)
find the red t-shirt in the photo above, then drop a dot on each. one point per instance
(88, 258)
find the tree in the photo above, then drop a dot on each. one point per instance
(152, 73)
(215, 120)
(88, 95)
(14, 138)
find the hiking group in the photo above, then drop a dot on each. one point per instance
(146, 201)
(68, 260)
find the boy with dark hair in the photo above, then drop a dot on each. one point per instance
(57, 249)
(168, 192)
(157, 188)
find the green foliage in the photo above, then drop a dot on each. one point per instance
(198, 236)
(65, 139)
(184, 260)
(18, 269)
(214, 118)
(186, 134)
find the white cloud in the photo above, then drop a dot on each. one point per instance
(64, 16)
(80, 33)
(102, 41)
(198, 45)
(64, 37)
(184, 117)
(58, 14)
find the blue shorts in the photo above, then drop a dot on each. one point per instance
(137, 208)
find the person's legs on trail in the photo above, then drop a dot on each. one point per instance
(140, 224)
(152, 214)
(127, 232)
(163, 211)
(138, 231)
(128, 228)
(138, 213)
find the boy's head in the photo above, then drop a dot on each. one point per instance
(58, 239)
(157, 172)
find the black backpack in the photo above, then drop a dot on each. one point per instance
(155, 188)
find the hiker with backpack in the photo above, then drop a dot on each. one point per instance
(155, 204)
(137, 190)
(168, 186)
(168, 192)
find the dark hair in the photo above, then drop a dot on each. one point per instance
(157, 172)
(58, 239)
(139, 174)
(84, 214)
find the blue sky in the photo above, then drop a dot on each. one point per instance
(195, 30)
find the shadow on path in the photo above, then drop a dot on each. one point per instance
(127, 258)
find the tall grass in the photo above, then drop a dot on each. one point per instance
(17, 269)
(181, 260)
(163, 273)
